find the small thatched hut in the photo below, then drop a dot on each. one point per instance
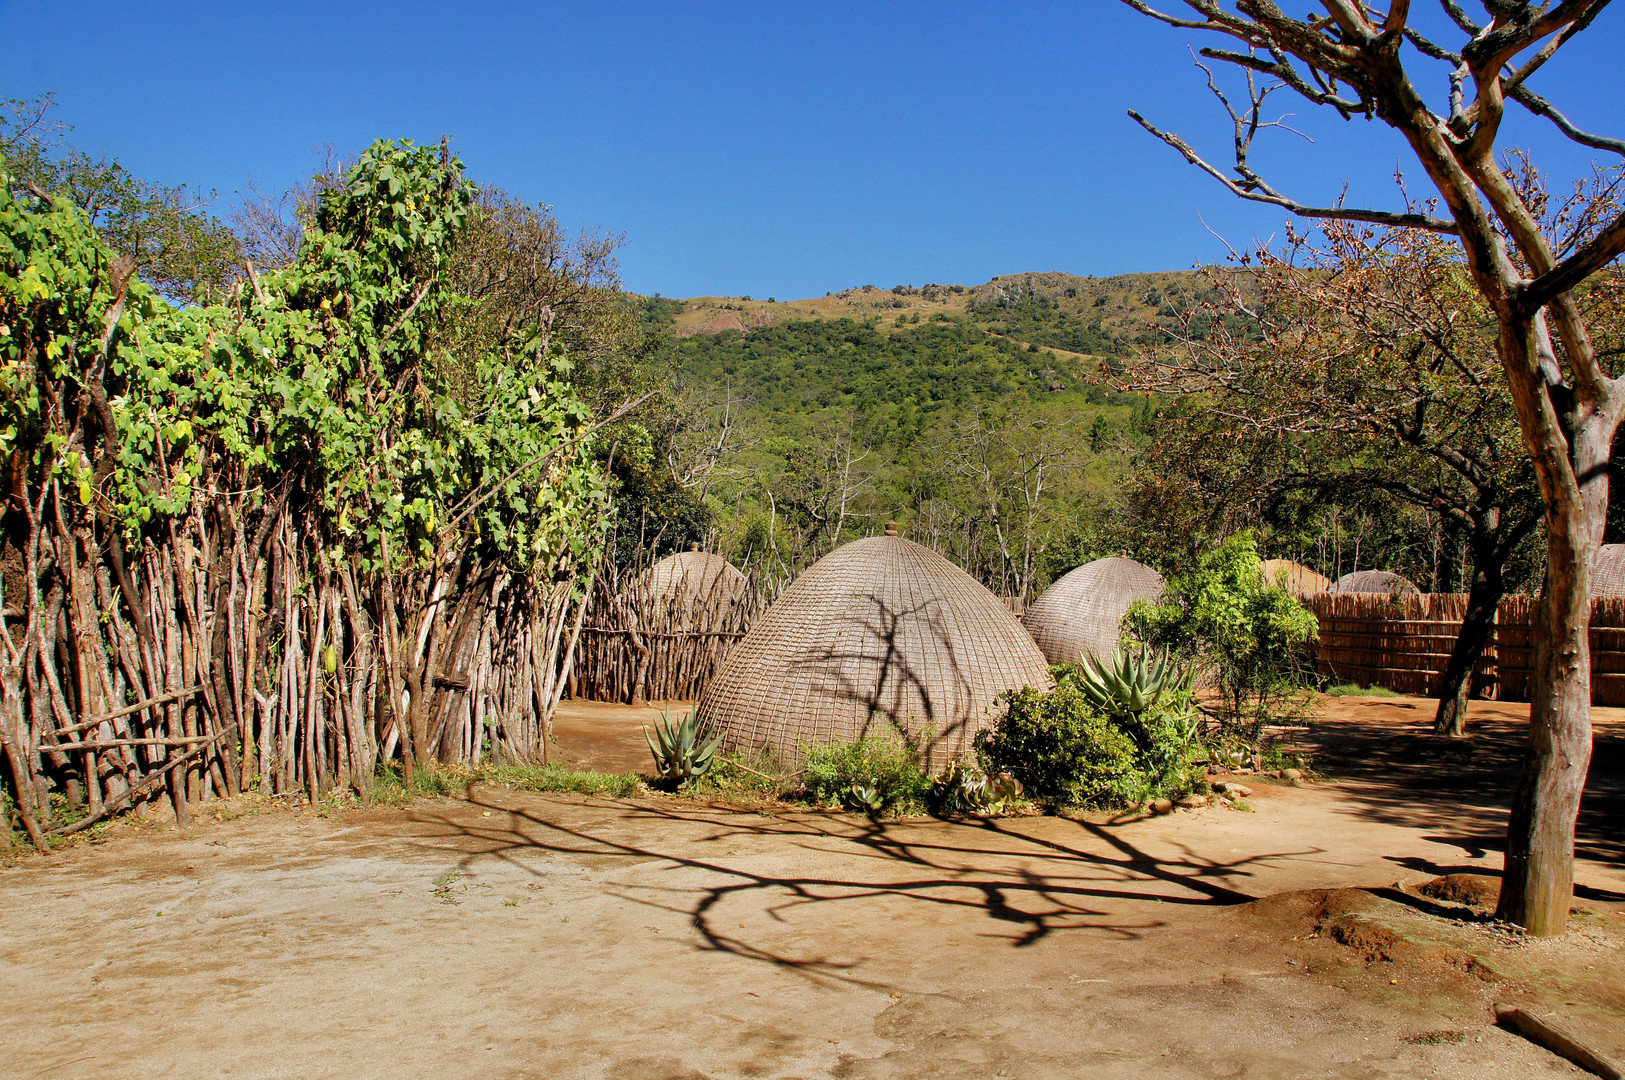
(1608, 573)
(1374, 581)
(1082, 614)
(659, 634)
(880, 637)
(685, 591)
(1297, 578)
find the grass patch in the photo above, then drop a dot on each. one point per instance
(558, 778)
(1356, 690)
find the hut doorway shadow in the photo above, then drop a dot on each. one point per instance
(1020, 884)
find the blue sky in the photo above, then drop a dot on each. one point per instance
(764, 149)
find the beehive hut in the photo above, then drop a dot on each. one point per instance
(1374, 581)
(1298, 579)
(660, 633)
(1608, 572)
(690, 590)
(881, 637)
(1082, 614)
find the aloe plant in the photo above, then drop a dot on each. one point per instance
(1130, 683)
(965, 788)
(678, 751)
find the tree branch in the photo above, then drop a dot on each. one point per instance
(1336, 213)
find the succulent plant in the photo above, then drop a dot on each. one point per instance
(679, 754)
(965, 788)
(866, 797)
(1131, 682)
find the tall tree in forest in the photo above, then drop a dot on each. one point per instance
(1526, 262)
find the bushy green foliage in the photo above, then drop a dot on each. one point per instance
(310, 377)
(1061, 748)
(872, 775)
(1149, 698)
(1220, 612)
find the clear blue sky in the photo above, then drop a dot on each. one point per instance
(764, 149)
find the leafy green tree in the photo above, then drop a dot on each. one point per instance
(1221, 614)
(176, 245)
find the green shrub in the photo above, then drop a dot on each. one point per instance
(1064, 752)
(1149, 699)
(872, 775)
(1220, 612)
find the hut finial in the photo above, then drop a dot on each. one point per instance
(891, 528)
(694, 545)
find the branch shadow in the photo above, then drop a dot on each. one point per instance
(1392, 769)
(1027, 887)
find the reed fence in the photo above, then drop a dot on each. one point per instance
(1403, 643)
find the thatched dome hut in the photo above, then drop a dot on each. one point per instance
(1082, 614)
(1298, 579)
(880, 637)
(683, 591)
(1608, 572)
(1374, 581)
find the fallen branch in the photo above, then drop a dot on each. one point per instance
(1557, 1040)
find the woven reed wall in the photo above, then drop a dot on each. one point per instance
(1516, 650)
(1403, 643)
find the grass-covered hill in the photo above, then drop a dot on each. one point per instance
(913, 379)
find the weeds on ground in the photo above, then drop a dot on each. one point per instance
(759, 774)
(558, 778)
(873, 776)
(390, 790)
(1356, 690)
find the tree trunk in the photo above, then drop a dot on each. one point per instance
(1537, 883)
(1477, 630)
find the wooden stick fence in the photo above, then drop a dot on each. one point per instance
(654, 633)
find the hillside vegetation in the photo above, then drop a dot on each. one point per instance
(981, 417)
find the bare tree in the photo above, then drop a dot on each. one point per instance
(1527, 263)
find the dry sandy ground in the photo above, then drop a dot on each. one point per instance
(519, 935)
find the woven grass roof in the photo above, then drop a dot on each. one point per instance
(1298, 579)
(880, 637)
(1374, 581)
(693, 575)
(1608, 573)
(1082, 614)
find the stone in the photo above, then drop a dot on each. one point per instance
(1240, 791)
(1162, 806)
(1193, 802)
(1291, 774)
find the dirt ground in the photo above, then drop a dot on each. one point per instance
(522, 935)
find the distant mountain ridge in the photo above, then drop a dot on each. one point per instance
(1087, 316)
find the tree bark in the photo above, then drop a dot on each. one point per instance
(1477, 630)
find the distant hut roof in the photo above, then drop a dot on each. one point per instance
(690, 590)
(1374, 581)
(880, 637)
(1608, 573)
(1083, 612)
(694, 575)
(1298, 579)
